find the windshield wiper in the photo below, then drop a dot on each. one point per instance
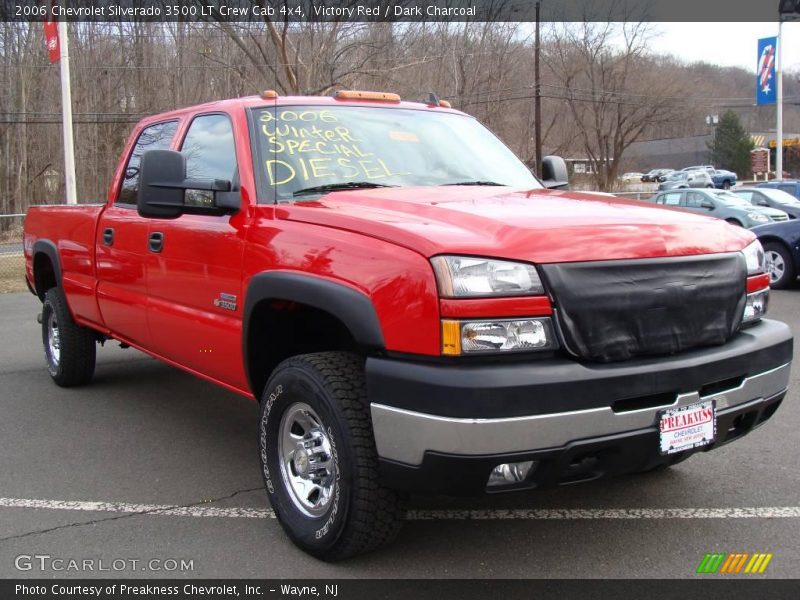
(346, 185)
(475, 183)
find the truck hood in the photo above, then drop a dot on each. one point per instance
(543, 226)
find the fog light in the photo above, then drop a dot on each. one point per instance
(756, 306)
(508, 473)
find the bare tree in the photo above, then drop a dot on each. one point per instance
(613, 90)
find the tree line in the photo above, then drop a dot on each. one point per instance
(601, 87)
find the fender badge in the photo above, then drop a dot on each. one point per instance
(226, 301)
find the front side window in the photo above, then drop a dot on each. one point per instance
(306, 147)
(154, 137)
(210, 154)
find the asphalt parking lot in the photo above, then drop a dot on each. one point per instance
(151, 463)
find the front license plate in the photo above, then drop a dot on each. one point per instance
(687, 427)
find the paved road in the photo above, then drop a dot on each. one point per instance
(147, 435)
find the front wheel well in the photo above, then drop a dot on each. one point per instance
(279, 329)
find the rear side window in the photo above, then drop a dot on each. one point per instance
(155, 137)
(673, 199)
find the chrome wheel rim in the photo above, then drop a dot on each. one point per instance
(307, 465)
(53, 340)
(775, 266)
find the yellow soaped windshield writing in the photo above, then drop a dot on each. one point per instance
(309, 145)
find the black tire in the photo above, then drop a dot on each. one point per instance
(726, 185)
(71, 359)
(778, 279)
(734, 222)
(361, 513)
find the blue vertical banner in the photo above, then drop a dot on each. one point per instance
(766, 88)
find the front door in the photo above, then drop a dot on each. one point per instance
(194, 266)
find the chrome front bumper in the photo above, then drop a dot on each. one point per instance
(404, 436)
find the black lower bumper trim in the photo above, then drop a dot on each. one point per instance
(576, 462)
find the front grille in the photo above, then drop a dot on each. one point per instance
(779, 217)
(616, 310)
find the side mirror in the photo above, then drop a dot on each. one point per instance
(554, 173)
(164, 189)
(707, 204)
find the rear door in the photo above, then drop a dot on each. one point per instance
(194, 265)
(122, 246)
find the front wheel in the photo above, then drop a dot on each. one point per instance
(318, 457)
(70, 350)
(780, 266)
(734, 222)
(726, 185)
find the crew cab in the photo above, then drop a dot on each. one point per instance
(414, 310)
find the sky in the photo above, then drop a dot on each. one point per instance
(725, 44)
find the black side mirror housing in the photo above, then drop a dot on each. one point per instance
(707, 204)
(163, 188)
(160, 195)
(554, 173)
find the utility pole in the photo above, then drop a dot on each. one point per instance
(788, 10)
(66, 111)
(537, 93)
(779, 100)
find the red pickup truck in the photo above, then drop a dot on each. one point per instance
(412, 308)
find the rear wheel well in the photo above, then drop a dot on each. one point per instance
(279, 329)
(44, 275)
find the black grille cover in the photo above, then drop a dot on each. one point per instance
(615, 310)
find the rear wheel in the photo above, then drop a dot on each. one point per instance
(318, 457)
(726, 185)
(70, 350)
(780, 266)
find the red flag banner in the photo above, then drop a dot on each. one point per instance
(51, 39)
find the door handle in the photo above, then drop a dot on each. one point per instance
(156, 241)
(108, 236)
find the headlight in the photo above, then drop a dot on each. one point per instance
(467, 277)
(497, 335)
(758, 217)
(755, 259)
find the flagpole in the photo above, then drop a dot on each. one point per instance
(779, 111)
(66, 111)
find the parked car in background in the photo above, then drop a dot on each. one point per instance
(791, 186)
(656, 175)
(686, 179)
(773, 198)
(723, 180)
(631, 177)
(781, 243)
(720, 204)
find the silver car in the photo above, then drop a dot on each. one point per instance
(721, 204)
(687, 179)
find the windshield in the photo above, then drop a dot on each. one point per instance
(677, 175)
(779, 196)
(317, 148)
(730, 199)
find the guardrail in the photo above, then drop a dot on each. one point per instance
(635, 195)
(12, 261)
